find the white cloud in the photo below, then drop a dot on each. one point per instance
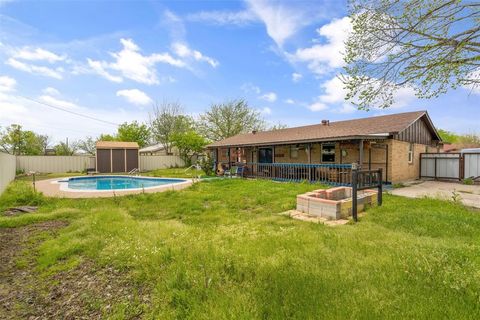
(38, 54)
(99, 67)
(321, 58)
(281, 21)
(182, 50)
(296, 77)
(35, 69)
(135, 96)
(56, 102)
(7, 84)
(250, 87)
(218, 17)
(51, 91)
(317, 106)
(269, 96)
(289, 101)
(133, 65)
(265, 111)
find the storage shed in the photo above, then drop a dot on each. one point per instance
(116, 156)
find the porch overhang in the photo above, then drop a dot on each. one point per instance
(381, 136)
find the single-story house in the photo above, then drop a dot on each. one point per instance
(325, 152)
(157, 150)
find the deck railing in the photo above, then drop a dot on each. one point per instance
(337, 174)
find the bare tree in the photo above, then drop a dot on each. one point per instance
(166, 119)
(429, 46)
(87, 145)
(230, 118)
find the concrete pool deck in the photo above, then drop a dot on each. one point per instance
(51, 188)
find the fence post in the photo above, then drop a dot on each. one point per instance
(380, 187)
(354, 191)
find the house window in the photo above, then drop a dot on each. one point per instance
(293, 153)
(328, 152)
(410, 153)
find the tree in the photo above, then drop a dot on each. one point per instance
(133, 132)
(15, 140)
(278, 126)
(65, 149)
(88, 145)
(106, 137)
(166, 119)
(189, 144)
(452, 137)
(230, 118)
(428, 46)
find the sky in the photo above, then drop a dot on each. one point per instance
(112, 60)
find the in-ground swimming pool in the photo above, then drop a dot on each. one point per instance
(116, 182)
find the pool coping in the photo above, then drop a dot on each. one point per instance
(54, 188)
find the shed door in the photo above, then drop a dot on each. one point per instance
(132, 159)
(118, 160)
(103, 160)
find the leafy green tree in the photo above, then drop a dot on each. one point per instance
(230, 118)
(429, 46)
(166, 120)
(64, 149)
(189, 144)
(452, 137)
(15, 140)
(134, 132)
(106, 137)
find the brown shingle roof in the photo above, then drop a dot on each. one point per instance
(380, 125)
(116, 144)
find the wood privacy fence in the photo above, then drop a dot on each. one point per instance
(456, 166)
(7, 170)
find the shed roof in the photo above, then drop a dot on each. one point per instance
(116, 144)
(379, 126)
(152, 148)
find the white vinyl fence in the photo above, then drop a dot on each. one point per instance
(7, 170)
(55, 164)
(148, 163)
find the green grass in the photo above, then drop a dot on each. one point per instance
(175, 173)
(221, 250)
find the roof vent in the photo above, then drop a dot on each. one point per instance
(254, 131)
(325, 122)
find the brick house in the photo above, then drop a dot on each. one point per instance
(324, 152)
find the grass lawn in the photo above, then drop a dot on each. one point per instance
(219, 249)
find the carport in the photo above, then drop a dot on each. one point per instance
(116, 156)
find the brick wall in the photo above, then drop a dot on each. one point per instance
(402, 169)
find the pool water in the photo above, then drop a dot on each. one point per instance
(117, 182)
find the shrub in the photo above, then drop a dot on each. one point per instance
(206, 163)
(468, 181)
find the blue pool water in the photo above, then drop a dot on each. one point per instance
(117, 182)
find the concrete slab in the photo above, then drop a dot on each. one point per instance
(469, 195)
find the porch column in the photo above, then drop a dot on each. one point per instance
(360, 153)
(309, 156)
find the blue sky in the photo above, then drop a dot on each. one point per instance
(112, 59)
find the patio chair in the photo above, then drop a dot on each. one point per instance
(235, 171)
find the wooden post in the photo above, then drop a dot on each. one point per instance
(354, 192)
(360, 153)
(380, 187)
(309, 146)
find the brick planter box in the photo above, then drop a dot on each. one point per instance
(334, 203)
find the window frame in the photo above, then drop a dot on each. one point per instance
(334, 154)
(410, 153)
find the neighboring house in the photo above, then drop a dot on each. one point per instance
(157, 150)
(391, 142)
(457, 147)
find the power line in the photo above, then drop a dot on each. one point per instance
(69, 111)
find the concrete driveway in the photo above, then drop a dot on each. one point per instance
(469, 195)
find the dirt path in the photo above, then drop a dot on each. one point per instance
(86, 292)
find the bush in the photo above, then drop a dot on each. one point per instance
(468, 181)
(206, 163)
(20, 193)
(19, 172)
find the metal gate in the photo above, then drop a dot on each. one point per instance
(455, 166)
